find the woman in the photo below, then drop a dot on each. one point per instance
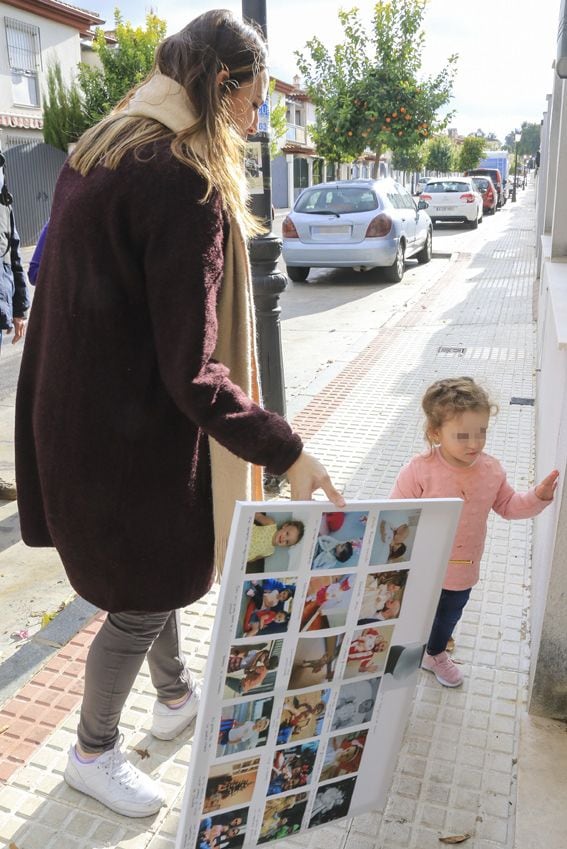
(133, 438)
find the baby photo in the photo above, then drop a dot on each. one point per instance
(223, 830)
(402, 663)
(244, 726)
(327, 602)
(265, 607)
(252, 668)
(282, 817)
(332, 802)
(292, 768)
(315, 660)
(368, 651)
(395, 536)
(355, 703)
(302, 716)
(276, 542)
(343, 755)
(383, 595)
(230, 784)
(339, 541)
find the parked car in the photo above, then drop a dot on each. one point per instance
(360, 224)
(421, 182)
(489, 194)
(495, 176)
(453, 199)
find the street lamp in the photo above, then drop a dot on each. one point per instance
(517, 137)
(265, 250)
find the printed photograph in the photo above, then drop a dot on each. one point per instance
(223, 831)
(244, 726)
(343, 755)
(383, 596)
(327, 602)
(302, 716)
(276, 543)
(339, 540)
(332, 802)
(265, 607)
(282, 817)
(230, 784)
(292, 768)
(368, 650)
(315, 660)
(355, 704)
(252, 668)
(395, 536)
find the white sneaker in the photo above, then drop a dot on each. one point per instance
(115, 782)
(169, 722)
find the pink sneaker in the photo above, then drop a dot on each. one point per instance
(445, 670)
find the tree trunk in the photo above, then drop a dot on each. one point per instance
(376, 164)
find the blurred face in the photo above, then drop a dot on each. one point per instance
(462, 438)
(245, 102)
(286, 536)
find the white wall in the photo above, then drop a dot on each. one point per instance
(57, 41)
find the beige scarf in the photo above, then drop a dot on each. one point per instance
(164, 100)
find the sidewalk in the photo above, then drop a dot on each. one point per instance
(462, 755)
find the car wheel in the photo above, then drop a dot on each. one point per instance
(394, 273)
(425, 253)
(473, 224)
(297, 274)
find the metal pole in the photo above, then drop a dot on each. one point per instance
(265, 250)
(515, 174)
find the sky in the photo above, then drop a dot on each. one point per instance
(506, 47)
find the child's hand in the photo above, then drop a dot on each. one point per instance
(546, 489)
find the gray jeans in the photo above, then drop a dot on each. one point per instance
(114, 660)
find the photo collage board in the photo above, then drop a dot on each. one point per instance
(319, 633)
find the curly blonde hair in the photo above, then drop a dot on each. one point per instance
(451, 397)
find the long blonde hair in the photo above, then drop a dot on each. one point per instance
(213, 42)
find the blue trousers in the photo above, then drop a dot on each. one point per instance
(449, 611)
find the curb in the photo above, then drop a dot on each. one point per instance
(20, 667)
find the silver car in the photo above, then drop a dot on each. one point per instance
(358, 224)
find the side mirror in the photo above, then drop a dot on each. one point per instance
(422, 204)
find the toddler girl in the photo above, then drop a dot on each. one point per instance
(457, 411)
(266, 536)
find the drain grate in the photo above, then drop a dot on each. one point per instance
(445, 349)
(522, 402)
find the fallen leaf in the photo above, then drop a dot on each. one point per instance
(143, 753)
(455, 838)
(12, 846)
(3, 728)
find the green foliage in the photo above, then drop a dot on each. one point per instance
(529, 142)
(472, 151)
(367, 91)
(412, 159)
(278, 124)
(63, 118)
(124, 64)
(440, 155)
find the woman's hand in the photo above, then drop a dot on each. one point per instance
(546, 489)
(19, 329)
(307, 475)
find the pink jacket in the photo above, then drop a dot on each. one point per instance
(482, 486)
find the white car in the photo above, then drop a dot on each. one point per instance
(360, 224)
(452, 200)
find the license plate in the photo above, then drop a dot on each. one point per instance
(339, 230)
(445, 208)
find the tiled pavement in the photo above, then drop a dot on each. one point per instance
(457, 769)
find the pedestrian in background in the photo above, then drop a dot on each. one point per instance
(33, 268)
(14, 301)
(137, 415)
(457, 413)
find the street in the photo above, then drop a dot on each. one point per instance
(326, 322)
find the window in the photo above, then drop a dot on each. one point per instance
(344, 199)
(24, 56)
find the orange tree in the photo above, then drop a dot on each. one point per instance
(368, 92)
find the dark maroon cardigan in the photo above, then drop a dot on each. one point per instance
(118, 390)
